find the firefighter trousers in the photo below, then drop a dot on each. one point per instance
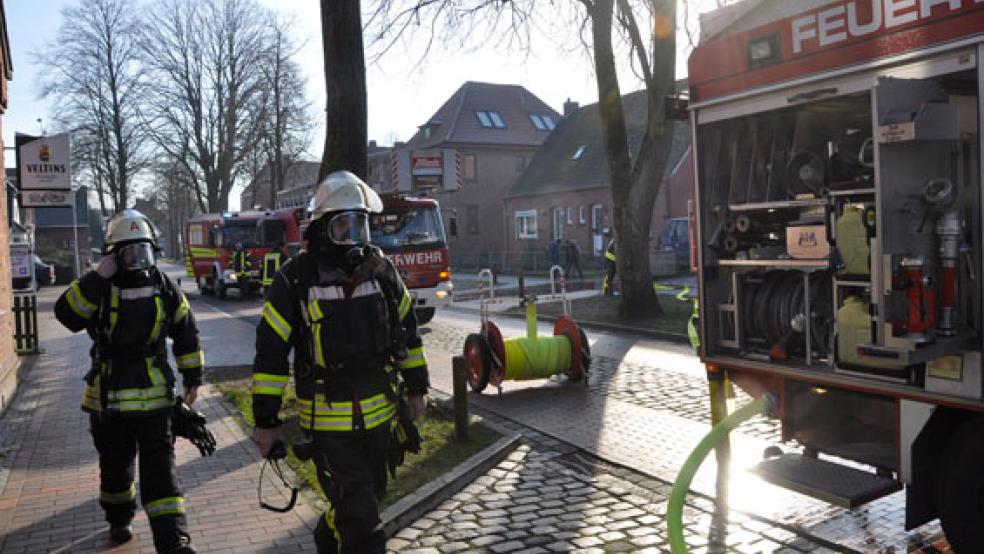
(608, 284)
(118, 441)
(352, 473)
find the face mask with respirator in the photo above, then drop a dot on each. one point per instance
(136, 257)
(347, 235)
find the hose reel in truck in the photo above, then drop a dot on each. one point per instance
(491, 359)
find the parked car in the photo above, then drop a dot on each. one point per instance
(44, 274)
(675, 237)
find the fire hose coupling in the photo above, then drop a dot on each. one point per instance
(940, 195)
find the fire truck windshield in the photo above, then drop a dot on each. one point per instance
(242, 231)
(408, 226)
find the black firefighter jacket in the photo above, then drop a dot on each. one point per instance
(129, 319)
(342, 328)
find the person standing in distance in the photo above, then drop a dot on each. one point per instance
(130, 308)
(358, 359)
(611, 267)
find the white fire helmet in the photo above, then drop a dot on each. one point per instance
(343, 191)
(129, 226)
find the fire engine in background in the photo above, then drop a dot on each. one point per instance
(411, 233)
(839, 229)
(210, 242)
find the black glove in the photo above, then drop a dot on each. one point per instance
(405, 438)
(190, 424)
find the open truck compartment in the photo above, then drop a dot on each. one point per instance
(841, 233)
(839, 243)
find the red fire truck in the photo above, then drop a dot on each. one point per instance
(839, 241)
(410, 231)
(210, 240)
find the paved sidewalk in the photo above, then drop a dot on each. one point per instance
(48, 499)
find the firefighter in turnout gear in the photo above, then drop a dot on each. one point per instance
(242, 262)
(359, 361)
(129, 308)
(610, 268)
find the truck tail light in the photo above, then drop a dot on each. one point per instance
(444, 275)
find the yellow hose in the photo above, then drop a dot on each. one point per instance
(674, 511)
(536, 358)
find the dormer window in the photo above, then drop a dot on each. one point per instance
(426, 130)
(542, 122)
(490, 120)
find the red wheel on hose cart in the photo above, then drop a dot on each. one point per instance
(478, 360)
(497, 350)
(580, 349)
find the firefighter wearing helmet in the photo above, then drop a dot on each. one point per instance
(129, 308)
(359, 370)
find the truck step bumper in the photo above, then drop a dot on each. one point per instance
(828, 481)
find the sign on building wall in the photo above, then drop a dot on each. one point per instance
(46, 198)
(44, 163)
(20, 260)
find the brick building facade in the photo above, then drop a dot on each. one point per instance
(495, 130)
(8, 357)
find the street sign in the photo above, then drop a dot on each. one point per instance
(44, 163)
(46, 198)
(20, 260)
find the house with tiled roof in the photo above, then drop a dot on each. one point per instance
(494, 130)
(564, 193)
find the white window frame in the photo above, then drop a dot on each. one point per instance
(557, 222)
(497, 120)
(570, 220)
(597, 214)
(582, 215)
(484, 120)
(548, 122)
(523, 219)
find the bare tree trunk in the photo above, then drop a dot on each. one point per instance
(346, 133)
(631, 225)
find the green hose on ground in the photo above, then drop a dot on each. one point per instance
(674, 511)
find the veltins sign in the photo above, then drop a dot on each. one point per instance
(45, 164)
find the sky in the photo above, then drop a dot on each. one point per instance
(403, 91)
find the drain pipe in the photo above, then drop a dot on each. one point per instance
(674, 511)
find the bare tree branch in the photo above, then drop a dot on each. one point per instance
(98, 84)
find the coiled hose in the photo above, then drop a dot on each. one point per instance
(674, 511)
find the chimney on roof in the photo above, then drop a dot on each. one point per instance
(570, 107)
(372, 144)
